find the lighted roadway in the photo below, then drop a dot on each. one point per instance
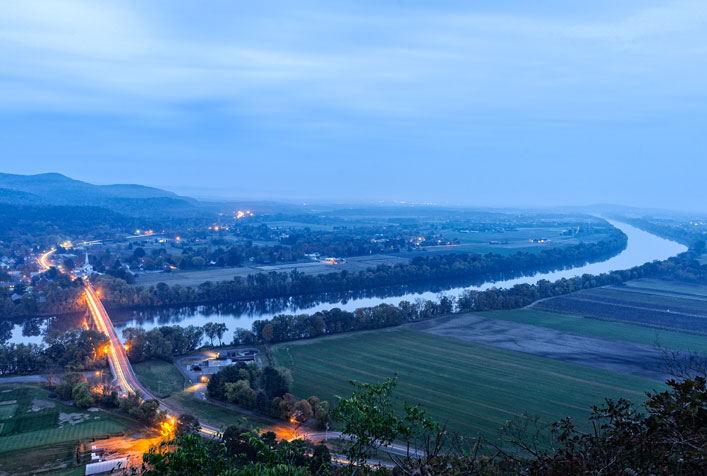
(128, 383)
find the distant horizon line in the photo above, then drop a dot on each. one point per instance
(194, 193)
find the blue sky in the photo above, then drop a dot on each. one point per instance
(458, 102)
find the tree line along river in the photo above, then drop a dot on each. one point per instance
(642, 247)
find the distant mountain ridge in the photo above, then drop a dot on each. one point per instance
(56, 189)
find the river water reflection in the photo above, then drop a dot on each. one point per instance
(641, 248)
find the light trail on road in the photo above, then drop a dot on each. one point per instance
(125, 376)
(43, 260)
(118, 359)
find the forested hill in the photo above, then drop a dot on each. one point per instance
(18, 220)
(58, 190)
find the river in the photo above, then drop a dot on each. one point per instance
(642, 247)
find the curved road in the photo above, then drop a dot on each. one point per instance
(128, 382)
(118, 359)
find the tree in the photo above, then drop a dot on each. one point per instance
(322, 415)
(219, 330)
(211, 331)
(68, 382)
(240, 393)
(275, 382)
(157, 345)
(370, 421)
(237, 442)
(320, 464)
(198, 262)
(267, 332)
(187, 455)
(243, 336)
(286, 406)
(146, 411)
(82, 396)
(187, 424)
(193, 335)
(669, 437)
(303, 411)
(135, 339)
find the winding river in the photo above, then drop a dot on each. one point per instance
(642, 247)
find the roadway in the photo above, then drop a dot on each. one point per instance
(128, 383)
(118, 358)
(44, 260)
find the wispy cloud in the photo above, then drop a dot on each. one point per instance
(124, 58)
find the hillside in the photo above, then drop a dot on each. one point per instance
(54, 189)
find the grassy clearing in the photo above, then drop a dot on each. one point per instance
(161, 378)
(605, 329)
(211, 413)
(475, 389)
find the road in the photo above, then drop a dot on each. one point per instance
(118, 359)
(128, 382)
(44, 260)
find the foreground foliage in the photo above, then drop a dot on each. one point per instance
(665, 435)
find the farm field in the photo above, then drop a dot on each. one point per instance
(657, 286)
(669, 339)
(637, 303)
(161, 378)
(196, 277)
(61, 458)
(192, 278)
(45, 432)
(472, 388)
(517, 241)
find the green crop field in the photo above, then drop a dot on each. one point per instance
(56, 435)
(668, 286)
(658, 304)
(472, 388)
(161, 378)
(40, 421)
(606, 329)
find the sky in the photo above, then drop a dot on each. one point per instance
(484, 103)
